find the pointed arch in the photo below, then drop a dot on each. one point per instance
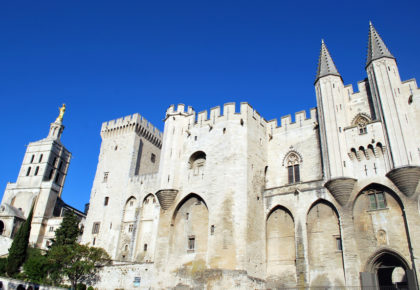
(189, 229)
(184, 200)
(280, 245)
(324, 244)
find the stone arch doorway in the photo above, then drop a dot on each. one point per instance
(388, 270)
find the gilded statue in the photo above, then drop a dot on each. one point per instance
(61, 114)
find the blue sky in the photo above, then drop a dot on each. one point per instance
(108, 59)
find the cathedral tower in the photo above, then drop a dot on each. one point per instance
(40, 181)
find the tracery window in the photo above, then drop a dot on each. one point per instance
(292, 164)
(361, 122)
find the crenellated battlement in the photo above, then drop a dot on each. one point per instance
(245, 113)
(132, 123)
(300, 120)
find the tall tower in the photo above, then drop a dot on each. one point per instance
(385, 83)
(329, 91)
(40, 181)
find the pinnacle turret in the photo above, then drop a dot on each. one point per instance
(326, 65)
(376, 46)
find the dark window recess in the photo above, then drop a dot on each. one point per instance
(57, 178)
(293, 173)
(145, 248)
(28, 171)
(153, 158)
(51, 174)
(339, 244)
(212, 230)
(61, 165)
(191, 243)
(106, 200)
(40, 158)
(32, 158)
(36, 170)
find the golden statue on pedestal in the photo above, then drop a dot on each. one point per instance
(60, 116)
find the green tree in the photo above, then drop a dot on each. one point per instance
(3, 263)
(17, 251)
(79, 263)
(68, 231)
(36, 266)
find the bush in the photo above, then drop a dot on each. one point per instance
(36, 266)
(3, 262)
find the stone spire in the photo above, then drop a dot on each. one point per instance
(326, 65)
(376, 46)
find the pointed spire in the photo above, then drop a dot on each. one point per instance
(326, 65)
(376, 46)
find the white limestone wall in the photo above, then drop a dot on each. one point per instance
(5, 244)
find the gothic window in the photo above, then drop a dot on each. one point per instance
(40, 158)
(197, 162)
(28, 171)
(36, 170)
(293, 161)
(95, 228)
(32, 158)
(51, 229)
(106, 200)
(106, 174)
(153, 158)
(145, 248)
(376, 199)
(361, 121)
(130, 228)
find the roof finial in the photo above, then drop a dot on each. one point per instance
(61, 114)
(376, 46)
(326, 65)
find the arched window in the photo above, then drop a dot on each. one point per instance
(40, 158)
(28, 172)
(292, 162)
(197, 162)
(361, 121)
(36, 170)
(32, 158)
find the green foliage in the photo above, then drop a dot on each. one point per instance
(90, 288)
(81, 287)
(3, 263)
(68, 231)
(36, 266)
(79, 263)
(17, 252)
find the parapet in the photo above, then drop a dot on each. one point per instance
(301, 120)
(132, 123)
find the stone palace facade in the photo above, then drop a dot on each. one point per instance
(227, 200)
